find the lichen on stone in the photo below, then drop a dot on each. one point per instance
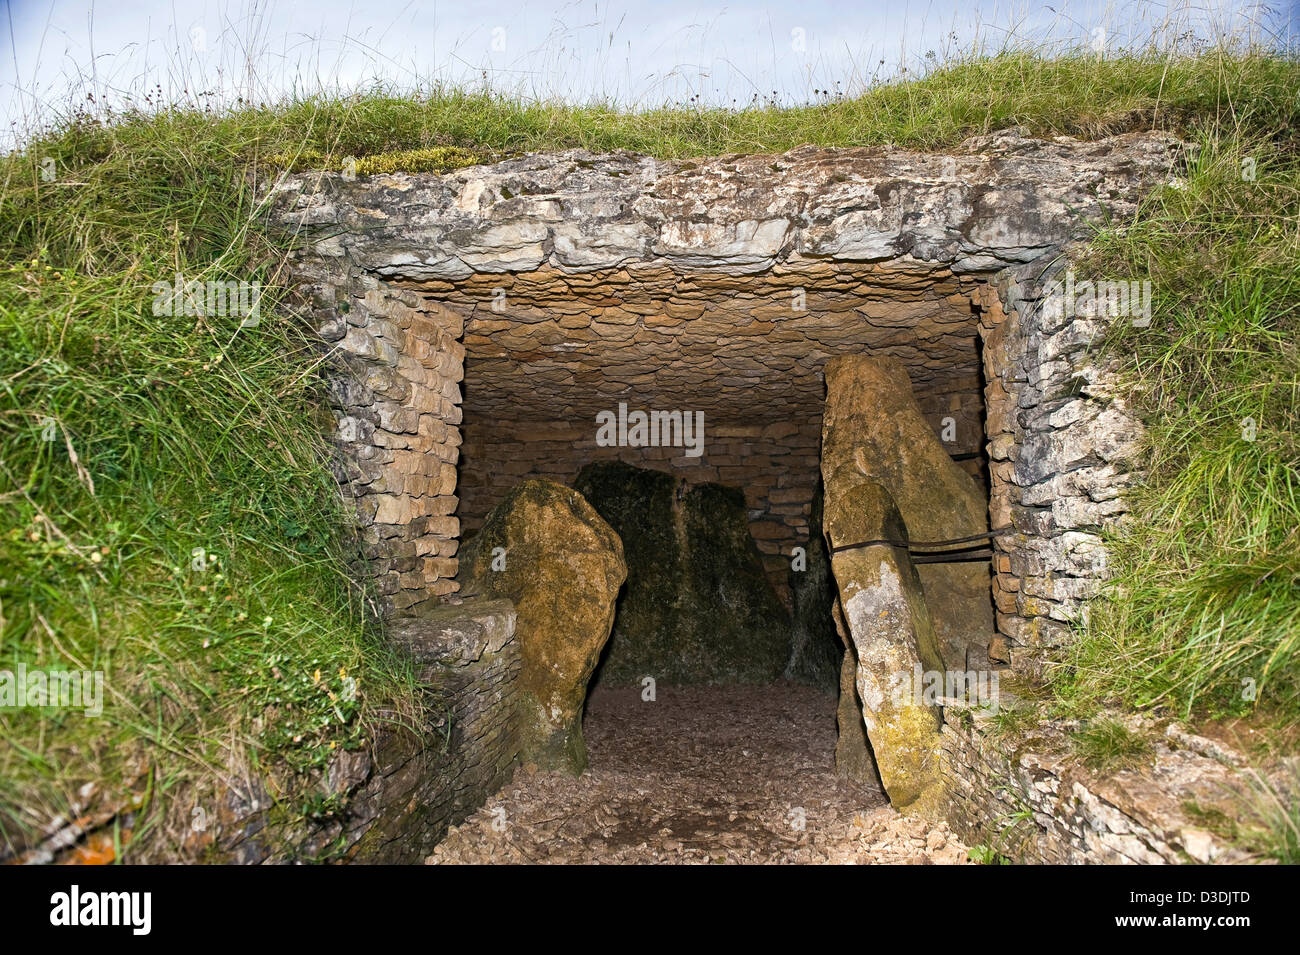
(546, 550)
(429, 159)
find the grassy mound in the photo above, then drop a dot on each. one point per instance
(167, 516)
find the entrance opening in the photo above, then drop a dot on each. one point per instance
(482, 323)
(550, 358)
(559, 365)
(547, 352)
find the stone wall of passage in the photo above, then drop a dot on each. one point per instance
(467, 654)
(1027, 797)
(399, 798)
(1061, 447)
(393, 370)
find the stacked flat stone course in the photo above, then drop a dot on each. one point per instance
(1061, 450)
(469, 658)
(393, 371)
(1027, 797)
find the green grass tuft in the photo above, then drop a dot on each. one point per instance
(1271, 823)
(1204, 612)
(430, 159)
(167, 515)
(1106, 744)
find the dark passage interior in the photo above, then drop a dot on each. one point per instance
(726, 371)
(687, 410)
(548, 352)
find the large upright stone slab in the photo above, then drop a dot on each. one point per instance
(872, 422)
(698, 607)
(884, 611)
(561, 565)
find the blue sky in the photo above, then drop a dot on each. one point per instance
(646, 53)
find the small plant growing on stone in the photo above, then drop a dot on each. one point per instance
(986, 855)
(1107, 744)
(1006, 829)
(1013, 720)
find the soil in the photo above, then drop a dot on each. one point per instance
(740, 774)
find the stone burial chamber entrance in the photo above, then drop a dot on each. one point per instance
(651, 426)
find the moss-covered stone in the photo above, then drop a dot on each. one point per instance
(885, 614)
(548, 551)
(697, 608)
(886, 475)
(437, 159)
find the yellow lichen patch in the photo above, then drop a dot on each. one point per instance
(433, 159)
(430, 159)
(908, 751)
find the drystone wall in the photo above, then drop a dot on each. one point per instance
(1026, 797)
(398, 798)
(1061, 452)
(394, 364)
